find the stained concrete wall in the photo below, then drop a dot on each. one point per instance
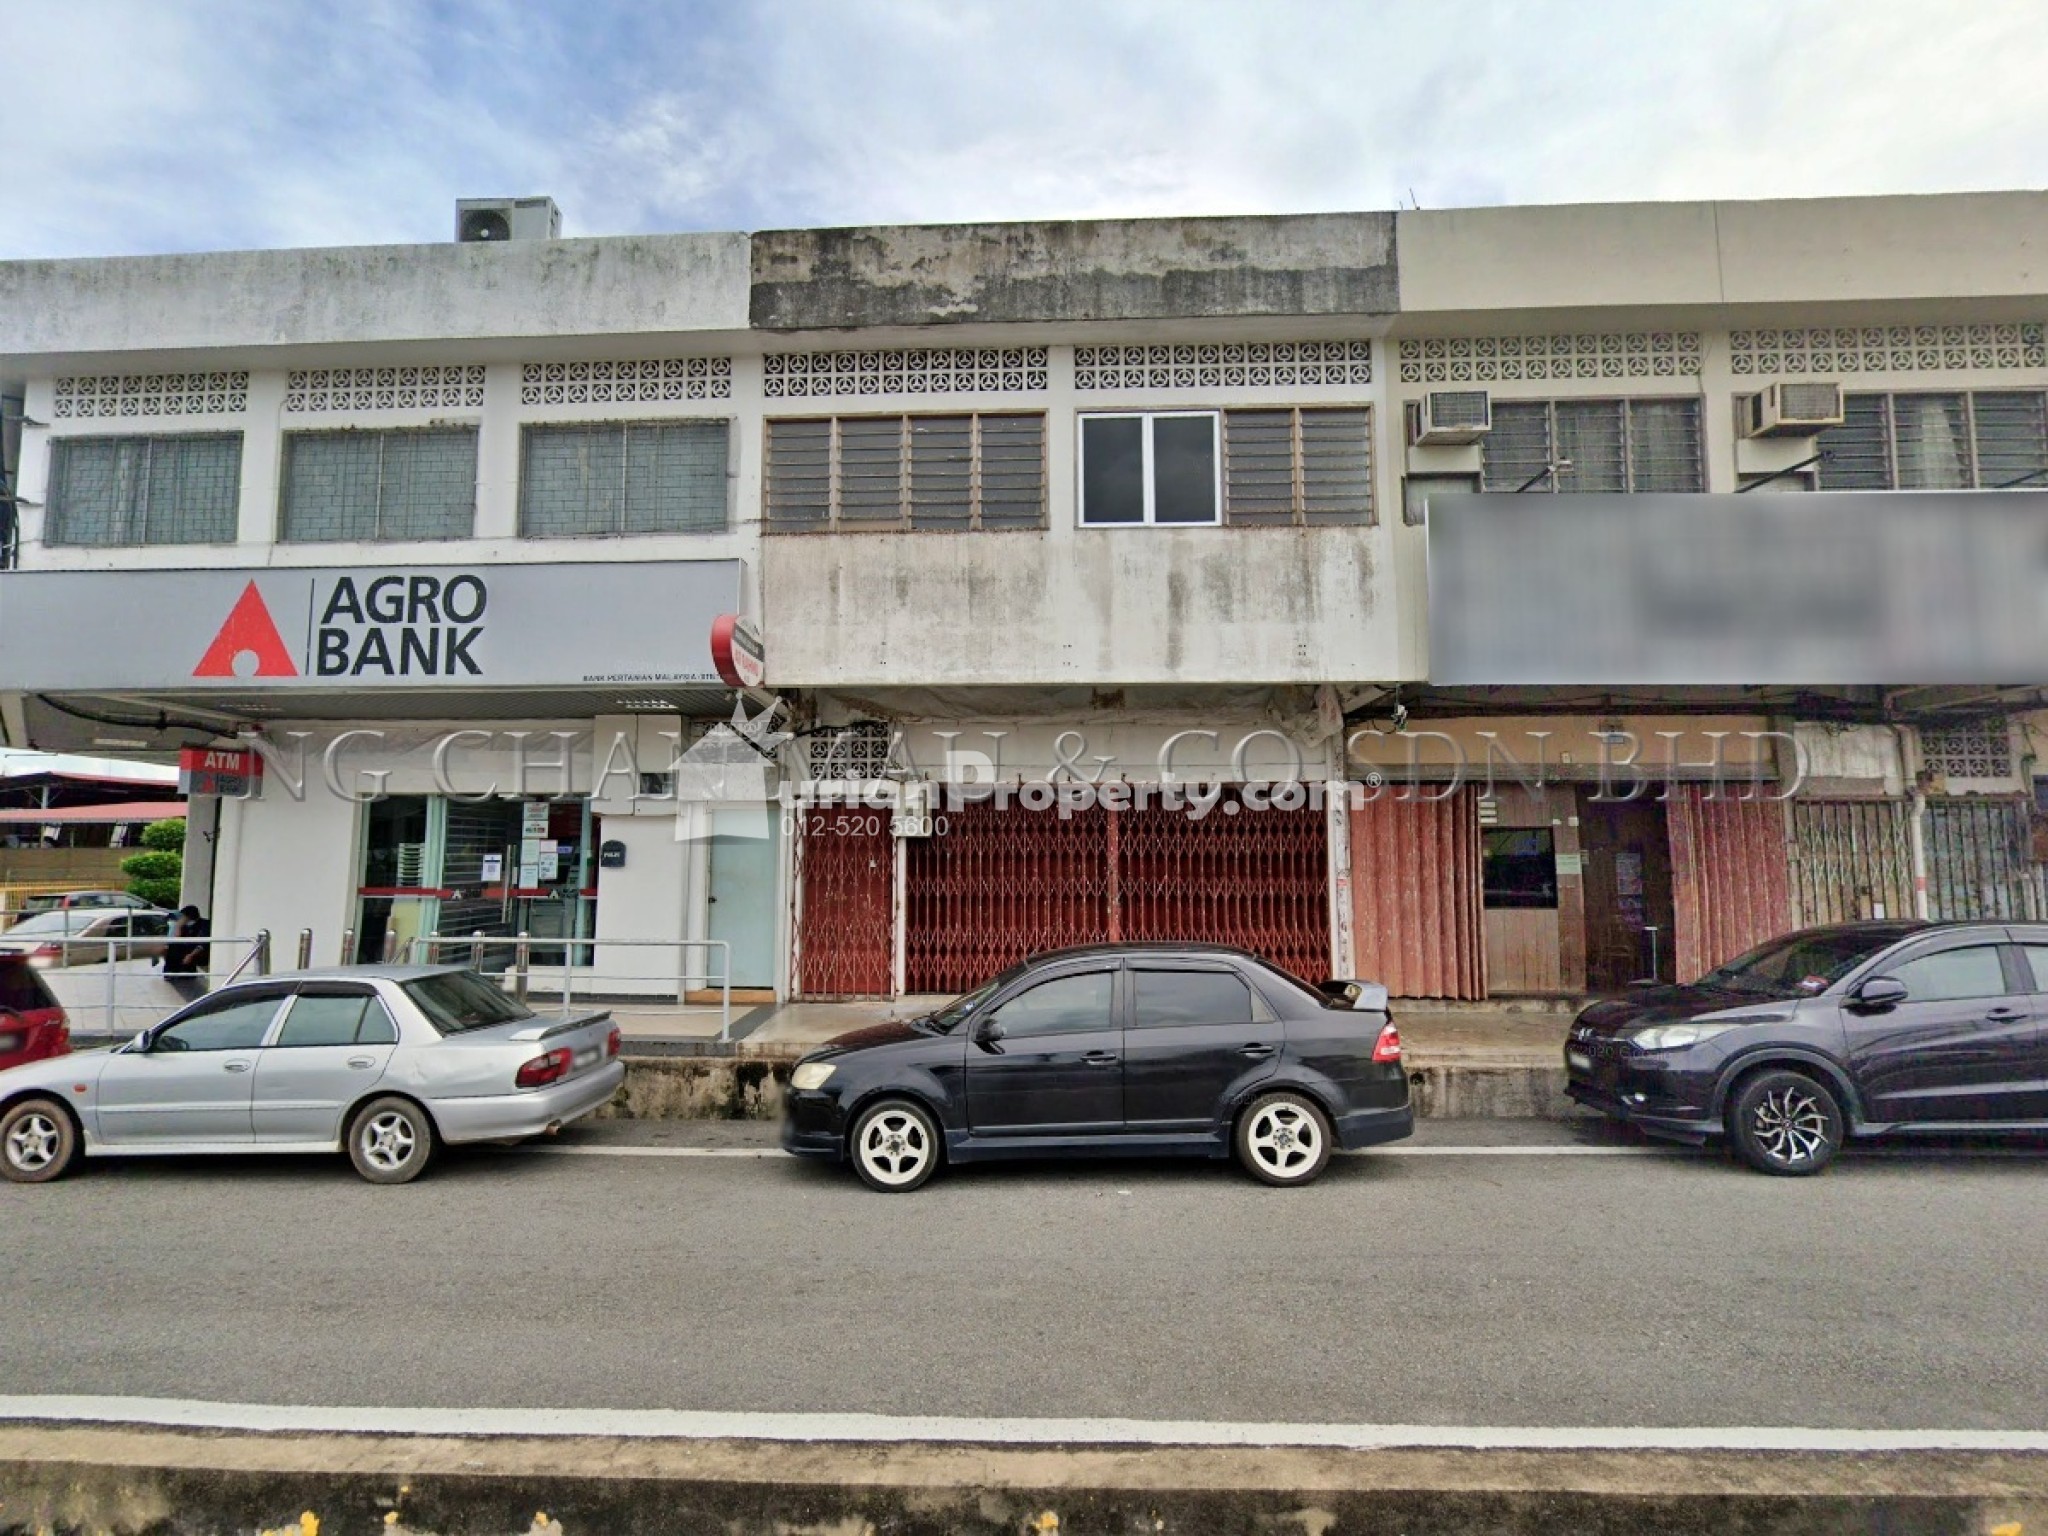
(1102, 269)
(97, 312)
(1077, 605)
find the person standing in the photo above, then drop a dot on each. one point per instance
(185, 964)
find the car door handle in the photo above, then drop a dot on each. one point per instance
(1256, 1051)
(2003, 1015)
(360, 1063)
(1099, 1059)
(234, 1066)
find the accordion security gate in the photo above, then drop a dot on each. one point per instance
(846, 873)
(1979, 861)
(1000, 884)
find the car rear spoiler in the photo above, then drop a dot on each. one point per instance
(1358, 996)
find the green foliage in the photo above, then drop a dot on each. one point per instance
(165, 836)
(156, 874)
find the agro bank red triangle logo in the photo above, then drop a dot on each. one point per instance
(249, 635)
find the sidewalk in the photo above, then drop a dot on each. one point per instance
(1503, 1034)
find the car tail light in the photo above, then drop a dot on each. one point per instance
(45, 954)
(1388, 1047)
(542, 1070)
(613, 1041)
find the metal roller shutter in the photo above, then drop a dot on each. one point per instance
(1415, 907)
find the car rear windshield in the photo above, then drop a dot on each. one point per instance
(1801, 965)
(53, 923)
(21, 989)
(456, 1001)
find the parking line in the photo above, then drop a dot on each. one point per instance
(872, 1428)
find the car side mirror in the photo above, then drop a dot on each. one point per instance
(140, 1044)
(989, 1032)
(1880, 992)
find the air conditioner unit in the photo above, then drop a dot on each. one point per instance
(487, 220)
(1794, 410)
(1449, 416)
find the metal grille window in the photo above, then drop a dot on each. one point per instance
(949, 474)
(1609, 445)
(1297, 467)
(1986, 441)
(145, 490)
(624, 477)
(376, 486)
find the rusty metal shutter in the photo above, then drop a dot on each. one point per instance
(845, 925)
(1415, 909)
(998, 885)
(1730, 883)
(1256, 878)
(1851, 860)
(1979, 861)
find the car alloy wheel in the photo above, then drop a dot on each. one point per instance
(38, 1142)
(391, 1141)
(1786, 1122)
(1284, 1139)
(895, 1147)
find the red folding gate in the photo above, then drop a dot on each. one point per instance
(1000, 884)
(845, 934)
(1415, 897)
(1731, 884)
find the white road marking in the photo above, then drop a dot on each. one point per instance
(1568, 1151)
(684, 1424)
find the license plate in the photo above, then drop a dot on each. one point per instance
(1580, 1060)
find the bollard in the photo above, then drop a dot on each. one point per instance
(476, 949)
(262, 951)
(521, 955)
(390, 946)
(305, 949)
(348, 946)
(113, 1028)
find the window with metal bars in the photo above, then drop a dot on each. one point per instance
(912, 474)
(1985, 440)
(1573, 446)
(624, 477)
(144, 490)
(374, 486)
(1297, 467)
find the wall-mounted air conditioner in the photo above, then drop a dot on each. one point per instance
(1445, 417)
(488, 220)
(1793, 410)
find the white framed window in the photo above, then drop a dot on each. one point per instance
(1142, 468)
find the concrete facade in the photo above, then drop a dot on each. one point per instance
(1127, 635)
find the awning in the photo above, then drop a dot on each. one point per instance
(99, 815)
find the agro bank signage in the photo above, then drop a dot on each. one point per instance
(597, 622)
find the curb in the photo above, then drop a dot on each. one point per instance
(748, 1084)
(139, 1482)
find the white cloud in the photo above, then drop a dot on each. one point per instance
(141, 126)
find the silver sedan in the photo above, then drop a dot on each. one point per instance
(384, 1062)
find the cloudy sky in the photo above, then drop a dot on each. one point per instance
(157, 125)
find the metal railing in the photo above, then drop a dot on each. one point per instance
(508, 959)
(110, 985)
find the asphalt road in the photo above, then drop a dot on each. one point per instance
(1646, 1288)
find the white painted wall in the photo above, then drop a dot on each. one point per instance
(647, 899)
(286, 865)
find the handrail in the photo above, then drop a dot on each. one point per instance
(522, 945)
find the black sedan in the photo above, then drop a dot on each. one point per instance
(1146, 1049)
(1861, 1029)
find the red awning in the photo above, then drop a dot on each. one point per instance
(125, 810)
